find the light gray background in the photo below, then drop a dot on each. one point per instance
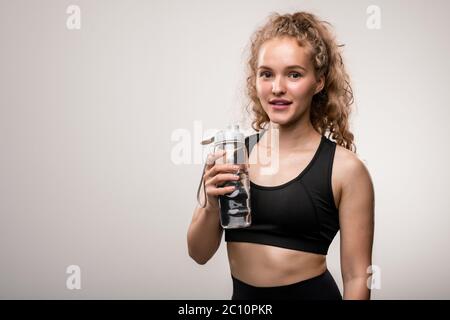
(87, 116)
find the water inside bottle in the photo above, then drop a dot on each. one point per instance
(235, 206)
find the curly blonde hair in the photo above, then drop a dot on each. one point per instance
(330, 108)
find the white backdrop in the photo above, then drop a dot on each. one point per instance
(88, 118)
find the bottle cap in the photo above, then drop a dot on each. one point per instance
(231, 133)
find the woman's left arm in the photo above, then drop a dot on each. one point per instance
(356, 218)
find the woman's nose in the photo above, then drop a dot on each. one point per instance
(277, 86)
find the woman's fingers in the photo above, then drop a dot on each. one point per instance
(220, 191)
(218, 174)
(218, 168)
(221, 178)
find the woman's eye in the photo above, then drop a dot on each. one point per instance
(298, 75)
(267, 74)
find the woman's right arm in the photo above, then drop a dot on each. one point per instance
(205, 232)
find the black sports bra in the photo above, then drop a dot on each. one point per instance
(299, 214)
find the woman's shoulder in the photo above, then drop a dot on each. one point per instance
(348, 166)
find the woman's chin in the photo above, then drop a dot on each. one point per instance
(279, 119)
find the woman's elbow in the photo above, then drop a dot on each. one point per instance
(197, 258)
(194, 254)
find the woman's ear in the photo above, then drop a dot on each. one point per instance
(320, 84)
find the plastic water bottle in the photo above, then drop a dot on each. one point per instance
(235, 211)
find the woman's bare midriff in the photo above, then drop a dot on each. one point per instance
(267, 266)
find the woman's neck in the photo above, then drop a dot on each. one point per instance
(291, 137)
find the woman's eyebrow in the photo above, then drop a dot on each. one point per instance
(289, 67)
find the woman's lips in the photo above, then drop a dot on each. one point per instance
(280, 106)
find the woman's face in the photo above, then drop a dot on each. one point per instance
(285, 71)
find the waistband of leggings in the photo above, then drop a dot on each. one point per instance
(302, 282)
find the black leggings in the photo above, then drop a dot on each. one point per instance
(322, 287)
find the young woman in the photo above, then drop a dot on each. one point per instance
(299, 89)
